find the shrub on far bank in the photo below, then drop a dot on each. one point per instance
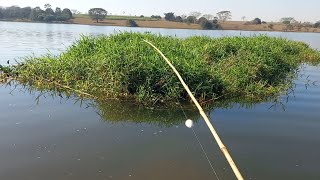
(179, 19)
(286, 22)
(49, 18)
(207, 25)
(156, 17)
(62, 18)
(317, 25)
(67, 12)
(270, 26)
(256, 21)
(191, 19)
(132, 23)
(169, 16)
(202, 19)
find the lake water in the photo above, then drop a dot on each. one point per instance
(45, 136)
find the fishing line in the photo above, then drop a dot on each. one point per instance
(215, 135)
(203, 150)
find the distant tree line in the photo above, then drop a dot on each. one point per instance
(15, 12)
(36, 14)
(292, 24)
(206, 21)
(255, 21)
(156, 17)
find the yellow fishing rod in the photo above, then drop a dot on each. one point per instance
(203, 114)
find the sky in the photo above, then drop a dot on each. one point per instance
(267, 10)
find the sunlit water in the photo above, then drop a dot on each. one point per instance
(48, 137)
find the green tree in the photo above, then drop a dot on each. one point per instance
(195, 14)
(74, 11)
(66, 13)
(49, 11)
(46, 6)
(156, 17)
(205, 24)
(256, 21)
(179, 19)
(41, 17)
(3, 13)
(58, 11)
(13, 12)
(317, 24)
(49, 18)
(224, 15)
(49, 15)
(131, 23)
(169, 16)
(191, 19)
(25, 12)
(208, 16)
(287, 20)
(202, 19)
(36, 14)
(98, 14)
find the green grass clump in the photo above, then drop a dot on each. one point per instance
(122, 65)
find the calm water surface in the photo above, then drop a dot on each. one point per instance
(50, 137)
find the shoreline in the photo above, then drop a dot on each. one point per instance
(231, 25)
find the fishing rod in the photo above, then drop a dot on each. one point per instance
(204, 116)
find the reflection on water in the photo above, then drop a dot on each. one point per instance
(114, 111)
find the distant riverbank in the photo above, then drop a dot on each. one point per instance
(161, 23)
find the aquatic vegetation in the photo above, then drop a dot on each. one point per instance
(123, 66)
(112, 110)
(4, 74)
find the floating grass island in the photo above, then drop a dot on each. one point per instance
(124, 66)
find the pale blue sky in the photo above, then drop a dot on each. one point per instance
(269, 10)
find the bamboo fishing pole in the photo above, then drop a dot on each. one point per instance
(203, 114)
